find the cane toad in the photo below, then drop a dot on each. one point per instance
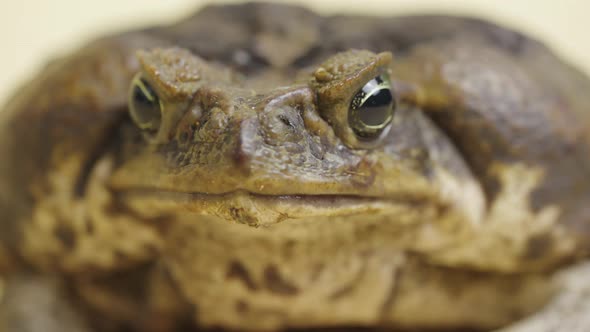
(260, 167)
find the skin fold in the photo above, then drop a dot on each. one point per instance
(217, 173)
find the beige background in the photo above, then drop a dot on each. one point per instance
(32, 31)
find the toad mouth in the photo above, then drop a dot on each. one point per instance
(257, 209)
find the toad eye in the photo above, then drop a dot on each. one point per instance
(372, 108)
(145, 107)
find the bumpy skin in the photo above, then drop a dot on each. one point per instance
(254, 206)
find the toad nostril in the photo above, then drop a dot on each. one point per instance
(183, 137)
(280, 124)
(286, 121)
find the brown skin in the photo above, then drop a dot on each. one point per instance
(253, 205)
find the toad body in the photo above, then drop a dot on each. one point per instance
(258, 167)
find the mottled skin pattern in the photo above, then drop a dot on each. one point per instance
(254, 206)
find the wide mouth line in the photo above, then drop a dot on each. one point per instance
(259, 209)
(301, 197)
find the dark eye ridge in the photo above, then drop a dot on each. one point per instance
(144, 105)
(372, 108)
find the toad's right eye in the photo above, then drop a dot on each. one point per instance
(372, 108)
(145, 108)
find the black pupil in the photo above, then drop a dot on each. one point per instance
(139, 96)
(377, 108)
(146, 105)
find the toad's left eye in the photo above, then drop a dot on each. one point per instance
(145, 107)
(372, 108)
